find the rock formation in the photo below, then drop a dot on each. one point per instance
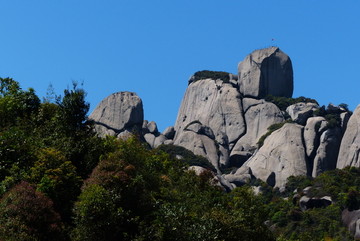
(266, 72)
(350, 144)
(118, 112)
(281, 156)
(225, 118)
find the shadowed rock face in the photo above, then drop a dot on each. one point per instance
(118, 112)
(266, 72)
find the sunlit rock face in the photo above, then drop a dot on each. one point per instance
(118, 112)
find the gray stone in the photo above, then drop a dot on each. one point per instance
(124, 135)
(301, 111)
(238, 180)
(249, 102)
(327, 153)
(159, 140)
(214, 104)
(168, 142)
(119, 111)
(199, 145)
(312, 134)
(281, 156)
(223, 156)
(224, 183)
(266, 72)
(169, 132)
(350, 144)
(258, 118)
(345, 116)
(150, 139)
(152, 127)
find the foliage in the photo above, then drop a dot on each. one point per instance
(15, 103)
(284, 102)
(147, 195)
(26, 214)
(290, 223)
(57, 178)
(206, 74)
(271, 129)
(187, 156)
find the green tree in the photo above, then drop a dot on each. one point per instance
(57, 178)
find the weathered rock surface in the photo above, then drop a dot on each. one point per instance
(258, 118)
(212, 111)
(266, 72)
(118, 112)
(313, 129)
(159, 140)
(327, 153)
(350, 144)
(150, 139)
(301, 111)
(214, 104)
(238, 180)
(152, 127)
(282, 155)
(200, 145)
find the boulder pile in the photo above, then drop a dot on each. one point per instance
(229, 119)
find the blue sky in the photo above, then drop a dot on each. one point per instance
(153, 47)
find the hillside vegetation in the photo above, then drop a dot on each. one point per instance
(60, 181)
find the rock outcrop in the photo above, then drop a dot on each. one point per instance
(212, 111)
(327, 153)
(301, 111)
(118, 112)
(281, 156)
(350, 144)
(225, 118)
(214, 104)
(258, 118)
(266, 72)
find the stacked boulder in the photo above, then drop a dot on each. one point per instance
(225, 118)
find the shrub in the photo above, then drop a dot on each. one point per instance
(206, 74)
(26, 214)
(187, 156)
(284, 102)
(271, 129)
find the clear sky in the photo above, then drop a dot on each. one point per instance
(153, 47)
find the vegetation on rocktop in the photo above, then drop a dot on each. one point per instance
(271, 129)
(284, 102)
(206, 74)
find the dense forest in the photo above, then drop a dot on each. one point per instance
(60, 181)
